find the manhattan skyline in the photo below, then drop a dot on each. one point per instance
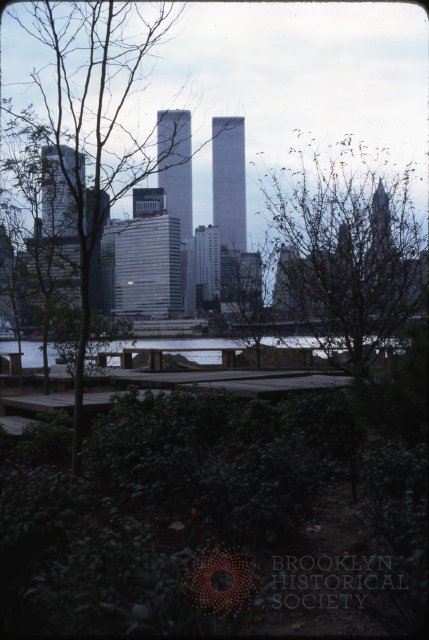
(328, 68)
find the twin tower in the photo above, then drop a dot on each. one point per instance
(229, 174)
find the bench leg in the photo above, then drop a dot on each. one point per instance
(101, 360)
(127, 360)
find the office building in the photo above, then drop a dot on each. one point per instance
(207, 264)
(283, 298)
(174, 157)
(143, 258)
(188, 275)
(110, 232)
(148, 201)
(59, 215)
(229, 182)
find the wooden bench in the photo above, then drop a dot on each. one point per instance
(155, 356)
(14, 361)
(101, 359)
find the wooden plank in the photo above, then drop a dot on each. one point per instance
(56, 401)
(14, 425)
(270, 387)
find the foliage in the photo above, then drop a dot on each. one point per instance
(7, 443)
(71, 564)
(260, 493)
(183, 452)
(324, 417)
(396, 493)
(81, 556)
(47, 441)
(397, 404)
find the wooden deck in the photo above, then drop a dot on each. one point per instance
(274, 387)
(31, 405)
(14, 425)
(246, 384)
(171, 379)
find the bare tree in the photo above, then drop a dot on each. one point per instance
(13, 268)
(354, 272)
(102, 56)
(246, 294)
(50, 268)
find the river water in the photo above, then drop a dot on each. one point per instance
(32, 355)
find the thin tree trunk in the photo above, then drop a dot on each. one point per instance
(79, 381)
(19, 340)
(46, 383)
(79, 384)
(258, 355)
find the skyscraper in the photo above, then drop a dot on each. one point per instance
(207, 262)
(59, 214)
(174, 156)
(229, 182)
(380, 218)
(147, 265)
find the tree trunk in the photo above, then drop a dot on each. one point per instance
(79, 380)
(79, 383)
(46, 383)
(258, 356)
(19, 340)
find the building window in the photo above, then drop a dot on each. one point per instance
(147, 205)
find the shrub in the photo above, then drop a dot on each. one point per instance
(7, 443)
(46, 442)
(174, 457)
(71, 564)
(325, 417)
(397, 403)
(262, 494)
(256, 419)
(396, 494)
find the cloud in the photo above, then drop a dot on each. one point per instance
(325, 67)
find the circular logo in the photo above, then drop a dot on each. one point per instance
(220, 580)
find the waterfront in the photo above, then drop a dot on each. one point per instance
(33, 356)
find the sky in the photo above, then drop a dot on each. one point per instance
(322, 67)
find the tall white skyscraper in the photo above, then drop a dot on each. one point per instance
(207, 261)
(229, 182)
(59, 215)
(188, 274)
(174, 153)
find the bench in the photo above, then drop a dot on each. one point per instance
(155, 356)
(101, 358)
(14, 362)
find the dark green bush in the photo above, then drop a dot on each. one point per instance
(325, 417)
(397, 403)
(197, 450)
(7, 443)
(46, 442)
(395, 478)
(261, 494)
(254, 420)
(72, 564)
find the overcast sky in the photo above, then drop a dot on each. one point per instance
(329, 68)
